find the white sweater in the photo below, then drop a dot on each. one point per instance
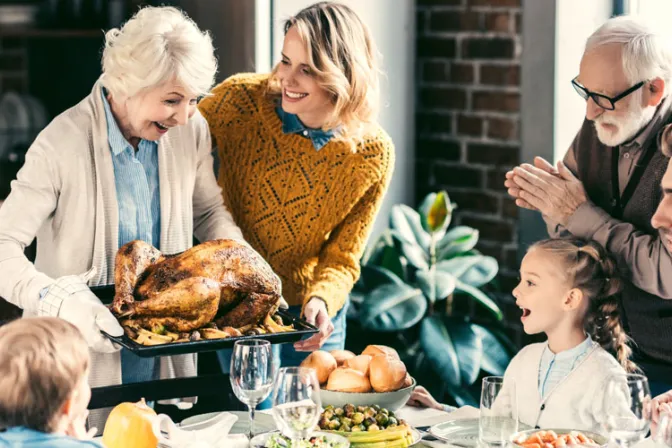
(574, 403)
(65, 196)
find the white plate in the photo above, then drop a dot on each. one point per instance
(262, 422)
(260, 440)
(462, 433)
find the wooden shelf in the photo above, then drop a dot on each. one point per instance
(35, 32)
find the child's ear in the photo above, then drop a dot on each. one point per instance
(573, 299)
(66, 409)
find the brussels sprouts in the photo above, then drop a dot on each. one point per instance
(361, 409)
(329, 407)
(349, 410)
(344, 428)
(357, 418)
(323, 423)
(346, 421)
(376, 407)
(381, 419)
(369, 421)
(392, 421)
(374, 427)
(339, 412)
(384, 411)
(334, 424)
(369, 412)
(356, 428)
(328, 414)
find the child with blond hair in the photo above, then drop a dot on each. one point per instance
(44, 391)
(568, 290)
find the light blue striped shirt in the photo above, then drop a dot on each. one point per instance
(554, 367)
(136, 176)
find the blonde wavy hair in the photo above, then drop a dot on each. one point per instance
(157, 45)
(343, 59)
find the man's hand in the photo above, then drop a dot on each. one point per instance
(421, 398)
(555, 196)
(514, 190)
(316, 314)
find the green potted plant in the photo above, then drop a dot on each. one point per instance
(419, 282)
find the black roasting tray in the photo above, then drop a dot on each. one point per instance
(106, 294)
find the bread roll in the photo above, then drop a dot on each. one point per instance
(341, 355)
(348, 380)
(386, 373)
(322, 362)
(360, 363)
(408, 381)
(375, 350)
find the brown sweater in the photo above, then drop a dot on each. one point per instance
(648, 317)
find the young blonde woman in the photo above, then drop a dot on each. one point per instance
(305, 165)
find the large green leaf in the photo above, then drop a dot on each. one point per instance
(462, 396)
(440, 351)
(495, 355)
(436, 213)
(468, 346)
(406, 222)
(456, 241)
(375, 276)
(391, 260)
(436, 285)
(474, 270)
(481, 297)
(415, 255)
(393, 307)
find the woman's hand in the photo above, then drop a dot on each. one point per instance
(316, 314)
(421, 398)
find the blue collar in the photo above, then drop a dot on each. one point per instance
(575, 352)
(292, 125)
(115, 138)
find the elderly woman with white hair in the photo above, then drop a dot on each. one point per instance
(131, 161)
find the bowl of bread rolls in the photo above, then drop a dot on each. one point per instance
(375, 376)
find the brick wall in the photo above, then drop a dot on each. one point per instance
(468, 117)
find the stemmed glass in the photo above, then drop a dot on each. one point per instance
(626, 408)
(296, 402)
(498, 419)
(252, 371)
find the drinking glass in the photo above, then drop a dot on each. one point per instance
(663, 434)
(626, 408)
(252, 372)
(498, 419)
(296, 402)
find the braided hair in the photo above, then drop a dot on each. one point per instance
(593, 271)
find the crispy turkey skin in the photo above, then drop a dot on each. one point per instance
(220, 279)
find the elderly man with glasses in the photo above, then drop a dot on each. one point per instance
(607, 188)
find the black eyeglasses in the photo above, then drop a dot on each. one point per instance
(602, 100)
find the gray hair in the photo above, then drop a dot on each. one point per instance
(157, 45)
(646, 55)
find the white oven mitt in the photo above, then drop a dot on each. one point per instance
(71, 299)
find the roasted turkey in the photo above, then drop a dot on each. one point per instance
(220, 280)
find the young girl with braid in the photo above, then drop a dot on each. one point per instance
(569, 290)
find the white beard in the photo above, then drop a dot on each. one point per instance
(627, 126)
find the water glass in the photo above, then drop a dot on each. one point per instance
(498, 419)
(296, 402)
(627, 408)
(252, 372)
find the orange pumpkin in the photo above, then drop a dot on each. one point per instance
(130, 426)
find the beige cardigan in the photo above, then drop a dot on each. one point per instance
(65, 196)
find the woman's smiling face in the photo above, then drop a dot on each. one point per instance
(301, 94)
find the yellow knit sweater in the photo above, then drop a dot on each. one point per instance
(307, 212)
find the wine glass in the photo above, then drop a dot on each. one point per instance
(626, 408)
(252, 371)
(498, 419)
(296, 402)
